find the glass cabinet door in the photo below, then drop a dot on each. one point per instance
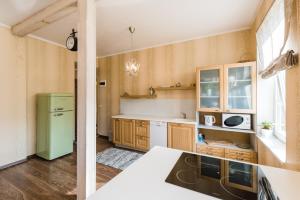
(239, 88)
(209, 89)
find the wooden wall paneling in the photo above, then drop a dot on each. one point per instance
(262, 12)
(49, 69)
(13, 98)
(116, 84)
(293, 96)
(166, 65)
(159, 69)
(142, 81)
(41, 67)
(266, 157)
(202, 49)
(150, 68)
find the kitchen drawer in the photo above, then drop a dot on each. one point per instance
(247, 156)
(142, 123)
(211, 150)
(141, 143)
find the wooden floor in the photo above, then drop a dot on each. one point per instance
(42, 180)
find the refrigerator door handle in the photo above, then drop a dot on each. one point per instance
(59, 108)
(59, 114)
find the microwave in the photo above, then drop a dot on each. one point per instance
(236, 121)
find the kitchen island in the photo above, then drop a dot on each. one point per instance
(145, 179)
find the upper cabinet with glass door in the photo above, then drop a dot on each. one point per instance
(240, 87)
(209, 89)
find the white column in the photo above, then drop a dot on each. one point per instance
(86, 112)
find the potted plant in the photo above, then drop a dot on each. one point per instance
(266, 129)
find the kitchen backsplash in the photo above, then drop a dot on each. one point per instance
(159, 107)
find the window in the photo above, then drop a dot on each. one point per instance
(279, 107)
(270, 39)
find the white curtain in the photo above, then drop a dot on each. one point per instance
(272, 37)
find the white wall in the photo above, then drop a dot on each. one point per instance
(159, 107)
(27, 67)
(13, 98)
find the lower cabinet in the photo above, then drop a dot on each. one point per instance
(127, 133)
(117, 131)
(133, 134)
(223, 152)
(210, 150)
(241, 155)
(181, 136)
(141, 143)
(142, 135)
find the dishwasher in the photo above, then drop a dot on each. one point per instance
(158, 134)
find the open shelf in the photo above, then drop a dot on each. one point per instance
(223, 144)
(218, 128)
(175, 88)
(129, 96)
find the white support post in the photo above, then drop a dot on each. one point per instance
(86, 112)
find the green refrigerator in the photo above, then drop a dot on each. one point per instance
(55, 125)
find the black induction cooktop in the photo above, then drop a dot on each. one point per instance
(219, 178)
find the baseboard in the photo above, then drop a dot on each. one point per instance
(13, 164)
(18, 162)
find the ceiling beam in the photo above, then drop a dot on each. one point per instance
(48, 15)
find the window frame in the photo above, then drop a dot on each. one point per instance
(269, 40)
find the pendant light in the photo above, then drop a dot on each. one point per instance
(131, 66)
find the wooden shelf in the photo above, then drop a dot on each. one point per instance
(175, 88)
(129, 96)
(223, 144)
(218, 128)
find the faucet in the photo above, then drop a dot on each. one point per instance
(183, 115)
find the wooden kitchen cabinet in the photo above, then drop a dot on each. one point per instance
(142, 132)
(127, 133)
(225, 152)
(210, 88)
(133, 134)
(240, 87)
(117, 131)
(227, 88)
(241, 155)
(181, 136)
(141, 143)
(211, 150)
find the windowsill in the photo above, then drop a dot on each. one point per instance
(277, 147)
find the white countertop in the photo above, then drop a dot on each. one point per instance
(145, 179)
(154, 118)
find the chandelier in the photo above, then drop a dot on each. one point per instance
(132, 67)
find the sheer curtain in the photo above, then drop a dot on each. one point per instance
(270, 35)
(271, 38)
